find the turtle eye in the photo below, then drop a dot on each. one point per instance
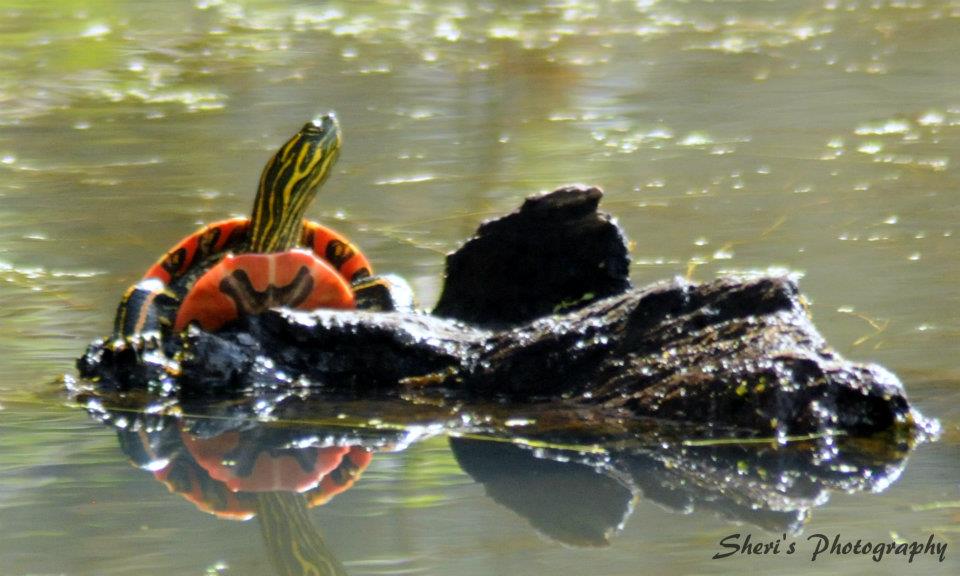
(321, 124)
(314, 128)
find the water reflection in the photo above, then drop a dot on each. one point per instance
(262, 472)
(582, 499)
(240, 469)
(223, 474)
(574, 485)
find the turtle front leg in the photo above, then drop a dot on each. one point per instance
(144, 315)
(134, 354)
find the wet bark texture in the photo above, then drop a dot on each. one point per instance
(537, 307)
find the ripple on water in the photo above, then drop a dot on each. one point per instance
(376, 564)
(399, 180)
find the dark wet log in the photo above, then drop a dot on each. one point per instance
(330, 350)
(556, 251)
(735, 353)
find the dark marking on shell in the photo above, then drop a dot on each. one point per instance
(207, 243)
(174, 261)
(360, 274)
(250, 301)
(237, 237)
(308, 235)
(338, 253)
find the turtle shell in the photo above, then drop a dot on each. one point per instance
(249, 284)
(341, 478)
(235, 499)
(233, 463)
(166, 297)
(184, 476)
(184, 263)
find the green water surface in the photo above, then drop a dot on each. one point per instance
(819, 137)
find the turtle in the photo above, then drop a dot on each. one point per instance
(243, 266)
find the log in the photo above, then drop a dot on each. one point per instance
(537, 309)
(556, 251)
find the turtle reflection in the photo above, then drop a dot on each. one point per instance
(257, 473)
(223, 475)
(240, 469)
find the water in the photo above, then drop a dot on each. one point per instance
(727, 136)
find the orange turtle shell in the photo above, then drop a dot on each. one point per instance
(206, 476)
(249, 284)
(341, 478)
(185, 477)
(289, 470)
(219, 237)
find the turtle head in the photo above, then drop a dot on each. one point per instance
(289, 182)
